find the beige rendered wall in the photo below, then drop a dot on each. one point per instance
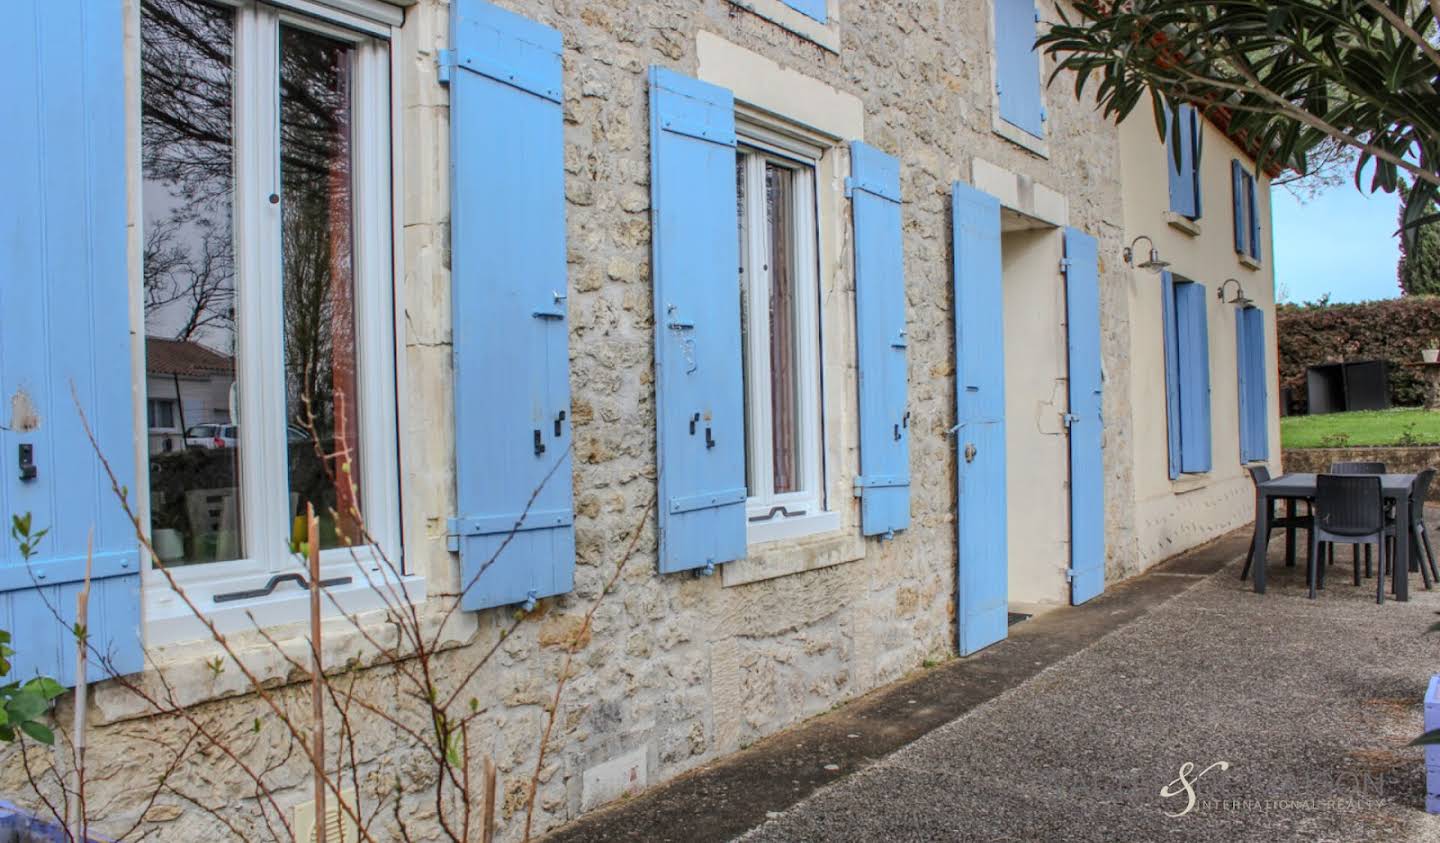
(1172, 516)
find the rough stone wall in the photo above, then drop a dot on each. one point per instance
(678, 669)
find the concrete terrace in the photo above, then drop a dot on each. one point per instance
(1071, 728)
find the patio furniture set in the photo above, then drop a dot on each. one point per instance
(1357, 503)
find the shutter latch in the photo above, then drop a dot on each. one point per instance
(1069, 419)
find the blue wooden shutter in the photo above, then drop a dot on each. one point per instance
(1184, 190)
(64, 299)
(810, 8)
(1086, 419)
(1017, 67)
(699, 391)
(884, 484)
(1172, 370)
(1241, 205)
(1252, 202)
(508, 320)
(1192, 336)
(982, 543)
(1254, 400)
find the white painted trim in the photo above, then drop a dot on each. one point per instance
(825, 34)
(369, 16)
(810, 524)
(771, 89)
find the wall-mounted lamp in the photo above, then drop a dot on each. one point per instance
(1153, 263)
(1240, 300)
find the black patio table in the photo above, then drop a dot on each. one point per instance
(1394, 487)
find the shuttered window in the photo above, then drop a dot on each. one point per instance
(1247, 210)
(1187, 375)
(1183, 147)
(1253, 384)
(1017, 66)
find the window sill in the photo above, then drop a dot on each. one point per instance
(825, 34)
(169, 621)
(366, 638)
(1248, 262)
(1182, 224)
(1020, 137)
(1186, 483)
(783, 557)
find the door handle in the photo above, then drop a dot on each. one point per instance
(970, 452)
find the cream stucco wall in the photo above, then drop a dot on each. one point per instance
(1172, 516)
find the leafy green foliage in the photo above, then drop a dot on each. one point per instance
(1397, 330)
(22, 704)
(1419, 268)
(1281, 75)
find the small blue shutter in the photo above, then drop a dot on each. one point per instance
(1254, 398)
(884, 484)
(1192, 336)
(699, 392)
(1241, 204)
(809, 8)
(508, 320)
(64, 299)
(1017, 67)
(1172, 370)
(1253, 204)
(1184, 191)
(982, 580)
(1087, 469)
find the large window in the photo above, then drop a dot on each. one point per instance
(266, 207)
(779, 295)
(1187, 375)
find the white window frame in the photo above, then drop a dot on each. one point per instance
(174, 425)
(765, 510)
(259, 308)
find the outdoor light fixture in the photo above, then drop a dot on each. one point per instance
(1240, 300)
(1153, 263)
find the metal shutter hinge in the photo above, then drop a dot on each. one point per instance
(445, 65)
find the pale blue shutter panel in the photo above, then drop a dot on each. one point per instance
(1086, 420)
(884, 482)
(699, 391)
(809, 8)
(1017, 67)
(1241, 206)
(1193, 339)
(1254, 398)
(1184, 195)
(64, 301)
(1170, 335)
(1253, 203)
(514, 523)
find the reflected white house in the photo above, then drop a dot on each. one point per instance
(187, 384)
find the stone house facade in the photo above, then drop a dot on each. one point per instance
(335, 214)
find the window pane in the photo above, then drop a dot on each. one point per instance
(187, 166)
(317, 249)
(744, 229)
(784, 357)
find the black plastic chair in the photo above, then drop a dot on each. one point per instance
(1290, 522)
(1421, 553)
(1356, 468)
(1349, 509)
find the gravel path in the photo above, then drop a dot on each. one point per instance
(1310, 703)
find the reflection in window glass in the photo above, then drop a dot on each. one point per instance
(784, 362)
(317, 251)
(187, 165)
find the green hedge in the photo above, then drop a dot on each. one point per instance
(1396, 330)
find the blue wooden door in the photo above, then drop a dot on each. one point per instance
(982, 578)
(65, 338)
(1086, 423)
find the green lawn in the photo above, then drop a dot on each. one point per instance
(1407, 426)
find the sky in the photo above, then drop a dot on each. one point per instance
(1342, 242)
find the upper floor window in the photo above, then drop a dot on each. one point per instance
(779, 302)
(1183, 145)
(1017, 66)
(1247, 210)
(266, 199)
